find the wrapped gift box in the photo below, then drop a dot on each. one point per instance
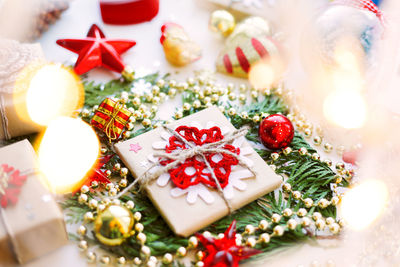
(111, 118)
(34, 225)
(189, 210)
(128, 11)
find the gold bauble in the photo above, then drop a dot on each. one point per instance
(179, 48)
(222, 21)
(113, 225)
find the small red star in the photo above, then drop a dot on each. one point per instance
(224, 252)
(97, 51)
(135, 147)
(96, 174)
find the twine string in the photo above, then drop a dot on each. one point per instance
(192, 150)
(4, 120)
(110, 123)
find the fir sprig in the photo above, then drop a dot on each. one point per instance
(311, 177)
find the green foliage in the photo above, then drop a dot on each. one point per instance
(305, 174)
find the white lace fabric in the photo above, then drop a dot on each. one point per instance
(14, 56)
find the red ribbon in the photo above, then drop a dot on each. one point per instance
(365, 5)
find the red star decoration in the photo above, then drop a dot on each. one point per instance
(224, 252)
(97, 51)
(96, 174)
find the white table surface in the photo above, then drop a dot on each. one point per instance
(148, 56)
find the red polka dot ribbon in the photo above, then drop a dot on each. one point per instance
(364, 5)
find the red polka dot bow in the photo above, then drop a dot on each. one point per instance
(364, 5)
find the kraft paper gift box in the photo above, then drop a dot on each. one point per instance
(188, 210)
(34, 225)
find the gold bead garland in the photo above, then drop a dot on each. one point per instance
(207, 93)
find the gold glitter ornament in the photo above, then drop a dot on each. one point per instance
(113, 225)
(222, 21)
(179, 48)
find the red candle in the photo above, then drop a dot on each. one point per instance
(124, 12)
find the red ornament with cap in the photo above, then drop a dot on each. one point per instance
(276, 131)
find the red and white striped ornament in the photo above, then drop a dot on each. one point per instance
(250, 42)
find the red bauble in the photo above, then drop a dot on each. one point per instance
(276, 131)
(97, 51)
(351, 156)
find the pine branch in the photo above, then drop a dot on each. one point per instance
(305, 174)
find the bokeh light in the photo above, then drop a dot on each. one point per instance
(50, 91)
(67, 151)
(363, 204)
(262, 75)
(346, 108)
(54, 91)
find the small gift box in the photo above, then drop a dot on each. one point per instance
(128, 11)
(111, 118)
(18, 63)
(31, 222)
(197, 170)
